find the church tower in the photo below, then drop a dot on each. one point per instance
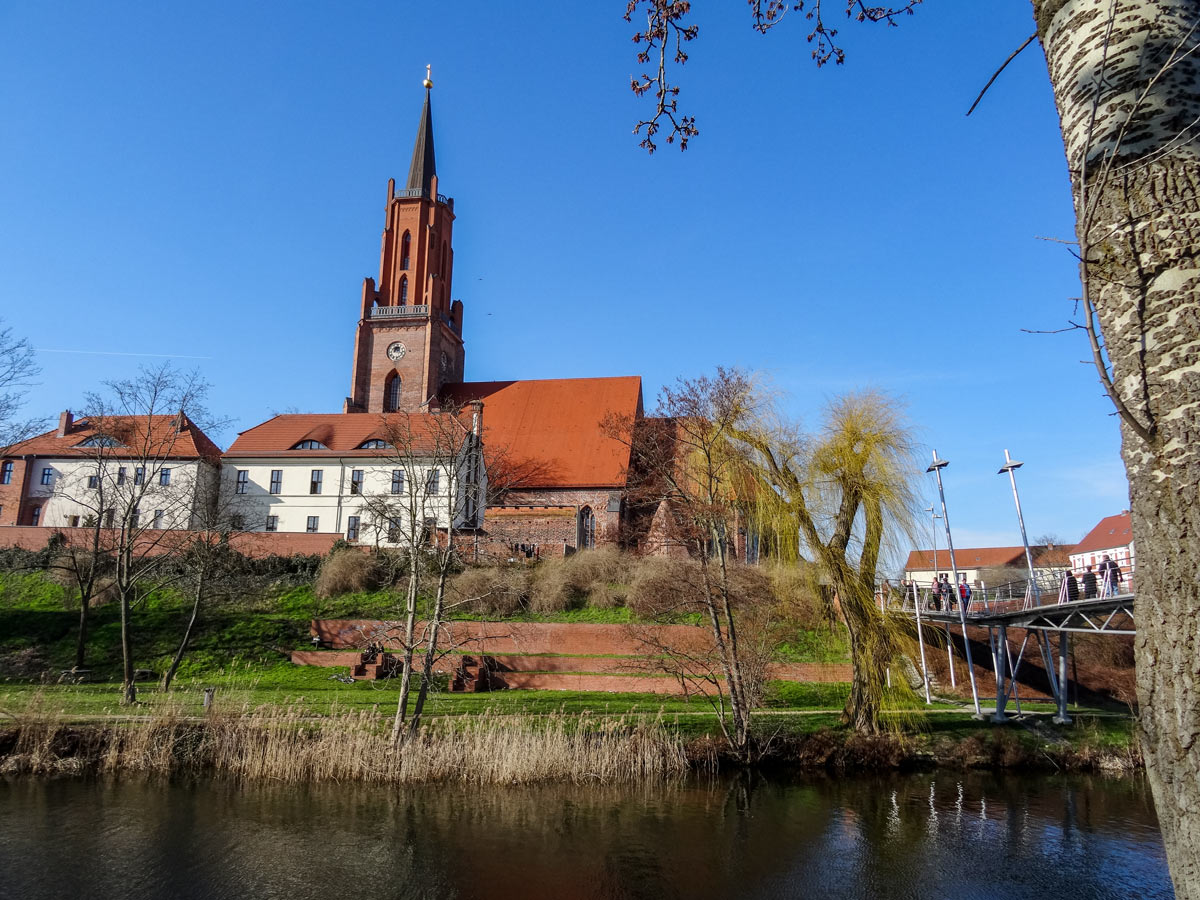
(409, 338)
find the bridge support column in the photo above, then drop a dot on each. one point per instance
(1047, 651)
(1064, 645)
(999, 662)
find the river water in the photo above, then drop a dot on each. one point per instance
(913, 836)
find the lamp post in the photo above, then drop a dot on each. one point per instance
(934, 592)
(1010, 467)
(936, 468)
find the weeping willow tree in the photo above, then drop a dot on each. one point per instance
(837, 496)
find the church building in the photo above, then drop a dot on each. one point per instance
(556, 474)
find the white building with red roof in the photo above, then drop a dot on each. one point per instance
(161, 469)
(1112, 537)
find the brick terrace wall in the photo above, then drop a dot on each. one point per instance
(495, 638)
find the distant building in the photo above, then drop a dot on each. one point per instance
(973, 561)
(159, 469)
(1113, 536)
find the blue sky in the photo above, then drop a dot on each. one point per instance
(207, 182)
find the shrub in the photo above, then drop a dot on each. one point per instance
(491, 590)
(661, 586)
(593, 576)
(348, 572)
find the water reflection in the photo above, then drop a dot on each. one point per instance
(971, 836)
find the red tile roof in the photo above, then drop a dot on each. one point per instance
(552, 427)
(969, 558)
(143, 437)
(342, 433)
(1113, 531)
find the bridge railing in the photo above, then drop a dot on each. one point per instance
(1047, 588)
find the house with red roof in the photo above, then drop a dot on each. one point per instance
(924, 566)
(1112, 537)
(160, 469)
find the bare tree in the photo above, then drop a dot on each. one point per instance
(439, 486)
(18, 369)
(144, 471)
(687, 463)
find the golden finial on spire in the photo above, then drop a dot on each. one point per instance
(428, 82)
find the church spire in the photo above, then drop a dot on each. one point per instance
(423, 168)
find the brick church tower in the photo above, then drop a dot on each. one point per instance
(409, 338)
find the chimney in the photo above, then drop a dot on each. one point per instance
(65, 420)
(476, 417)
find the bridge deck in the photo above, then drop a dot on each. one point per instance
(1111, 615)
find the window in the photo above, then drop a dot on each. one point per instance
(374, 444)
(158, 519)
(356, 481)
(110, 516)
(73, 521)
(314, 485)
(313, 524)
(121, 475)
(164, 476)
(403, 290)
(433, 481)
(47, 475)
(394, 531)
(310, 445)
(243, 481)
(586, 539)
(237, 522)
(405, 247)
(139, 475)
(352, 528)
(93, 482)
(397, 481)
(277, 481)
(272, 523)
(136, 517)
(35, 515)
(100, 440)
(391, 393)
(6, 473)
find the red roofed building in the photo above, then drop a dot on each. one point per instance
(971, 561)
(1112, 537)
(161, 466)
(556, 477)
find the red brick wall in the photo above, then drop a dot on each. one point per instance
(255, 544)
(12, 493)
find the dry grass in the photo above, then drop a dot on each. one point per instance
(349, 571)
(571, 582)
(285, 744)
(491, 590)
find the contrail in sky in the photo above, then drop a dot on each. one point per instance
(114, 353)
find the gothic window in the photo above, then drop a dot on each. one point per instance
(391, 393)
(405, 247)
(403, 290)
(586, 538)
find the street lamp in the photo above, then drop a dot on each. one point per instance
(1010, 467)
(936, 468)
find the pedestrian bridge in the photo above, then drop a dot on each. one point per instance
(1038, 608)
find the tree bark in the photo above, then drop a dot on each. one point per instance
(85, 603)
(1126, 79)
(187, 635)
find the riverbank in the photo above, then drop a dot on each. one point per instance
(288, 744)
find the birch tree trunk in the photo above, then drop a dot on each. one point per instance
(1126, 79)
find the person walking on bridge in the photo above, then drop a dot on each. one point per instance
(1110, 576)
(1089, 584)
(1072, 586)
(964, 593)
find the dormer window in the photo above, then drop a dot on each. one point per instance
(310, 445)
(374, 444)
(100, 440)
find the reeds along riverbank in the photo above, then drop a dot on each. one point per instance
(283, 744)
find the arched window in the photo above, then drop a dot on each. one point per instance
(374, 444)
(586, 538)
(405, 247)
(309, 444)
(403, 290)
(391, 393)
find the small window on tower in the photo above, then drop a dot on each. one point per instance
(405, 247)
(403, 290)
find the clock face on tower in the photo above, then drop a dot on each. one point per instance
(396, 351)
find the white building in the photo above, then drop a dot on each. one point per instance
(375, 479)
(1112, 537)
(162, 470)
